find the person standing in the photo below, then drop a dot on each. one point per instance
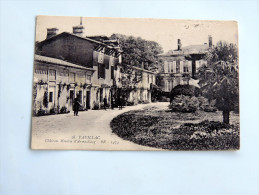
(76, 106)
(120, 103)
(112, 102)
(105, 102)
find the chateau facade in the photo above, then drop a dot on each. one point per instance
(179, 67)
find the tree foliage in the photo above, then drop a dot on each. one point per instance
(137, 50)
(219, 77)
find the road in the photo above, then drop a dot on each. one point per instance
(88, 131)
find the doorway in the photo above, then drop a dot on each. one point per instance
(88, 96)
(71, 98)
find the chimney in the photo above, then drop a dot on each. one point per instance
(179, 45)
(210, 41)
(51, 32)
(79, 30)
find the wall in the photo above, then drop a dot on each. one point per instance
(70, 48)
(59, 85)
(170, 78)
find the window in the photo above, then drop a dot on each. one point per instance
(181, 66)
(174, 67)
(178, 66)
(72, 77)
(167, 85)
(88, 78)
(101, 71)
(185, 66)
(112, 72)
(51, 96)
(71, 95)
(171, 85)
(178, 80)
(170, 68)
(100, 58)
(52, 75)
(111, 61)
(80, 96)
(166, 67)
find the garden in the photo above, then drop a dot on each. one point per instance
(197, 118)
(160, 127)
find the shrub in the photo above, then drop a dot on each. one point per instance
(187, 90)
(52, 111)
(146, 102)
(205, 105)
(45, 99)
(102, 105)
(209, 108)
(183, 103)
(41, 112)
(164, 99)
(81, 108)
(96, 105)
(207, 126)
(130, 103)
(63, 109)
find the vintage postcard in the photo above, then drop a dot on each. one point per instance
(135, 84)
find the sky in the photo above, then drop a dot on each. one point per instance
(164, 31)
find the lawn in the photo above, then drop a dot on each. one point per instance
(158, 127)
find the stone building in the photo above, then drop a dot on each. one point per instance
(179, 67)
(87, 66)
(142, 90)
(70, 65)
(56, 83)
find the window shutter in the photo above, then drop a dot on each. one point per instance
(103, 71)
(181, 66)
(166, 67)
(116, 61)
(99, 70)
(112, 72)
(190, 66)
(174, 66)
(106, 62)
(111, 61)
(95, 58)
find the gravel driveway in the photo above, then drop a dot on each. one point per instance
(88, 131)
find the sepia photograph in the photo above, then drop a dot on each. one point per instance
(129, 97)
(135, 84)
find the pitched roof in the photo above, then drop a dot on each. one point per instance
(56, 61)
(94, 39)
(71, 34)
(191, 49)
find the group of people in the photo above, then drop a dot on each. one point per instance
(105, 103)
(76, 104)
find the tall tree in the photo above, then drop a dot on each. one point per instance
(137, 51)
(219, 77)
